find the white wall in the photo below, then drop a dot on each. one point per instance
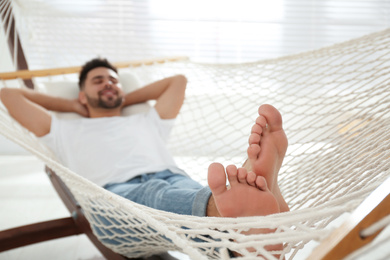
(5, 61)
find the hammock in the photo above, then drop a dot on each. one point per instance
(335, 103)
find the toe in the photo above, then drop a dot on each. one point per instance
(261, 183)
(272, 116)
(261, 121)
(257, 129)
(254, 139)
(242, 172)
(253, 151)
(231, 171)
(216, 178)
(251, 178)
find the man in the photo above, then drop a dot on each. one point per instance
(128, 156)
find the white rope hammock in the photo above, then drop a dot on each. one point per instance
(335, 104)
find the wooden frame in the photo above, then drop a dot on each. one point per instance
(28, 74)
(44, 231)
(348, 237)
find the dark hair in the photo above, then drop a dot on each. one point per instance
(92, 64)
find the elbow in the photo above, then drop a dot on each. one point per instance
(8, 95)
(181, 81)
(182, 78)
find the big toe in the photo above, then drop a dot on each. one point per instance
(273, 116)
(217, 178)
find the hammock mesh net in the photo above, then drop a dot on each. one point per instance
(334, 102)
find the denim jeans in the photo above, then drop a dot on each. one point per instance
(166, 191)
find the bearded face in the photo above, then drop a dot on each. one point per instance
(107, 98)
(102, 89)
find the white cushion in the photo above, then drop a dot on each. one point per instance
(70, 89)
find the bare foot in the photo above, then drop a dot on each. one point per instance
(267, 148)
(247, 194)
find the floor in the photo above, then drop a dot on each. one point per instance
(27, 196)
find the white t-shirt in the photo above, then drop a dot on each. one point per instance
(112, 149)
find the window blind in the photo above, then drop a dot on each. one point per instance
(69, 32)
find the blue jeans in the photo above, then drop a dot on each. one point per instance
(166, 191)
(161, 190)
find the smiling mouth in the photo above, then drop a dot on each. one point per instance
(108, 92)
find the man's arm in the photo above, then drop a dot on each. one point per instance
(30, 108)
(168, 92)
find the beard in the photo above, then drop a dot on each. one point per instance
(108, 103)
